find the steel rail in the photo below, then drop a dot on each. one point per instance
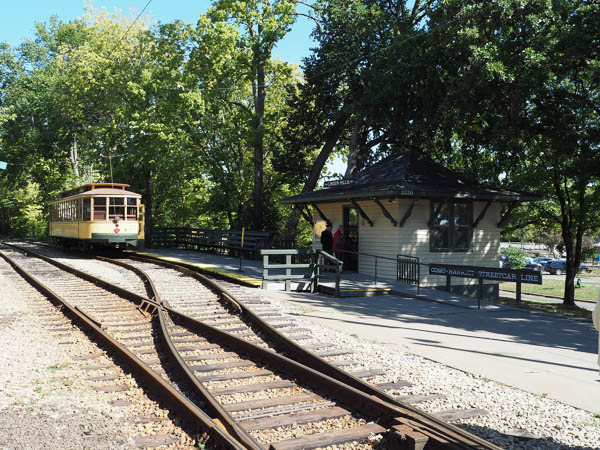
(357, 401)
(430, 425)
(407, 423)
(215, 408)
(176, 401)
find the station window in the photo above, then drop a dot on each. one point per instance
(131, 208)
(116, 208)
(87, 209)
(450, 226)
(99, 208)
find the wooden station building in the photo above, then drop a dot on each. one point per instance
(406, 204)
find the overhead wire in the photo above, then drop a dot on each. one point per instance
(119, 41)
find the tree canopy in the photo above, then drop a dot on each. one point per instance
(213, 131)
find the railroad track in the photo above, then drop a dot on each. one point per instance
(122, 326)
(231, 364)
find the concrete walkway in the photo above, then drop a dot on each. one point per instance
(534, 351)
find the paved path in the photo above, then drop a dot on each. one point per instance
(533, 351)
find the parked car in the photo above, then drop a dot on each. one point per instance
(559, 266)
(556, 267)
(533, 266)
(543, 260)
(505, 263)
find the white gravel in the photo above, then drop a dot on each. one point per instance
(555, 425)
(44, 400)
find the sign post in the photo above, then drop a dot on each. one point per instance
(3, 165)
(242, 248)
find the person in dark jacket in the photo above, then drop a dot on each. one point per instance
(327, 239)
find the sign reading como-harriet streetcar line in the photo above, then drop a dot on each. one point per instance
(487, 273)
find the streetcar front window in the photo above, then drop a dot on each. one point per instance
(116, 208)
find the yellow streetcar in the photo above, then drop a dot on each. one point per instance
(98, 215)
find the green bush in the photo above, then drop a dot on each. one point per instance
(515, 256)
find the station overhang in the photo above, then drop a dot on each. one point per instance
(363, 193)
(408, 175)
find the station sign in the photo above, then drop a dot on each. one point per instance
(334, 183)
(487, 273)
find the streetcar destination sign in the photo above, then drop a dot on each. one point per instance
(487, 273)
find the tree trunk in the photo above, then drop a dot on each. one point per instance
(353, 150)
(332, 137)
(569, 294)
(74, 157)
(572, 239)
(259, 112)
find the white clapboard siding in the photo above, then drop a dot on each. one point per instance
(385, 240)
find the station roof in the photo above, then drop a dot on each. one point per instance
(408, 175)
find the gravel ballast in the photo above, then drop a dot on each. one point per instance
(59, 390)
(46, 401)
(549, 424)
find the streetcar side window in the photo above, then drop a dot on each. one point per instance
(116, 208)
(87, 209)
(131, 208)
(99, 208)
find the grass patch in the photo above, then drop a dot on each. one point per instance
(595, 273)
(556, 288)
(552, 308)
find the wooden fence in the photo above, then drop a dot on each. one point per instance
(225, 242)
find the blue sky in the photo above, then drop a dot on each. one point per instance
(17, 20)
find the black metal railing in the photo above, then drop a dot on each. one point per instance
(408, 270)
(376, 258)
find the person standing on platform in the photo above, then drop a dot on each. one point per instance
(338, 243)
(596, 319)
(327, 239)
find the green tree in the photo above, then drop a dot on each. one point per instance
(262, 25)
(519, 89)
(344, 104)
